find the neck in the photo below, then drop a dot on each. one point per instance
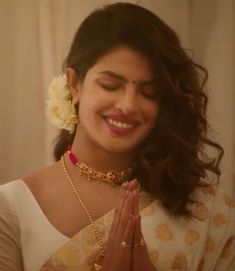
(98, 158)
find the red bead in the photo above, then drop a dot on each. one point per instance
(72, 157)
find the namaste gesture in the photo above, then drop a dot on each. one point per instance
(126, 249)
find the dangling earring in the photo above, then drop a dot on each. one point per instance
(74, 118)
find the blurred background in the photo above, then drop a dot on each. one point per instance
(34, 39)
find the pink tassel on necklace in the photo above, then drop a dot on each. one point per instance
(72, 157)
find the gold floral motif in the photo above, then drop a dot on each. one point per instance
(97, 267)
(147, 211)
(210, 244)
(200, 265)
(208, 190)
(91, 239)
(163, 232)
(96, 261)
(145, 199)
(227, 249)
(154, 255)
(228, 201)
(180, 262)
(200, 211)
(219, 219)
(191, 237)
(65, 256)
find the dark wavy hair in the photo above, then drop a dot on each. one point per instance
(172, 161)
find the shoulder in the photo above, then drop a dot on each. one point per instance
(222, 215)
(6, 195)
(46, 185)
(213, 197)
(10, 244)
(43, 179)
(9, 224)
(42, 173)
(216, 205)
(222, 228)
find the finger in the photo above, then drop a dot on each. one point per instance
(117, 212)
(119, 254)
(125, 213)
(133, 184)
(138, 236)
(128, 236)
(135, 210)
(140, 256)
(128, 186)
(121, 200)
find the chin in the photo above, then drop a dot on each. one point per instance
(119, 147)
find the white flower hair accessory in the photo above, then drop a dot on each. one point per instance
(60, 108)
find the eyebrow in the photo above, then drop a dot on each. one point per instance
(125, 80)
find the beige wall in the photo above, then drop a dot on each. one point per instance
(212, 37)
(35, 36)
(21, 102)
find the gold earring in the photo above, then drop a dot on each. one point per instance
(74, 119)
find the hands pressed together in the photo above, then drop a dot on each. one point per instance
(125, 249)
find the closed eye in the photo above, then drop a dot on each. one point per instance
(149, 93)
(110, 87)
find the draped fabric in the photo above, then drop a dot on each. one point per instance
(29, 242)
(206, 242)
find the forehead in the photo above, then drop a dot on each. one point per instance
(125, 61)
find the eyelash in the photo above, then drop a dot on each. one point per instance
(149, 96)
(115, 87)
(109, 87)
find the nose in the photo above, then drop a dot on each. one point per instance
(128, 102)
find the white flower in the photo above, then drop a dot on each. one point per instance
(58, 88)
(60, 109)
(61, 113)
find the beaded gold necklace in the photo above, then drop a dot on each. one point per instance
(96, 266)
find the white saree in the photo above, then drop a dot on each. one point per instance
(206, 243)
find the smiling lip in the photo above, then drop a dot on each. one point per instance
(120, 131)
(122, 118)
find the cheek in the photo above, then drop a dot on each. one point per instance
(91, 104)
(151, 112)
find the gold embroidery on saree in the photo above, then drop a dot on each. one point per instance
(81, 250)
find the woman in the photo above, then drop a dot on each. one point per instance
(130, 189)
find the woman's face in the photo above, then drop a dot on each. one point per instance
(117, 101)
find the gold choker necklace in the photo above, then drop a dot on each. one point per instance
(112, 177)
